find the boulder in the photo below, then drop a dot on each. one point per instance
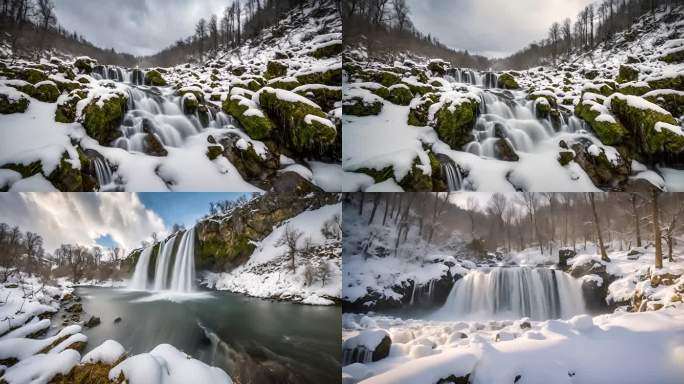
(305, 128)
(324, 95)
(507, 81)
(46, 91)
(418, 114)
(85, 64)
(627, 73)
(257, 125)
(329, 49)
(12, 101)
(103, 116)
(565, 254)
(154, 78)
(438, 67)
(153, 146)
(400, 94)
(66, 110)
(92, 322)
(253, 167)
(605, 172)
(454, 121)
(190, 104)
(375, 343)
(607, 128)
(503, 150)
(332, 76)
(275, 69)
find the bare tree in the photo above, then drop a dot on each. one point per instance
(597, 226)
(289, 239)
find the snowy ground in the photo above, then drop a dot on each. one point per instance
(386, 139)
(634, 348)
(268, 274)
(31, 358)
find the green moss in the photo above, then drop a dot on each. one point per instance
(190, 105)
(25, 170)
(66, 178)
(275, 69)
(8, 106)
(609, 133)
(634, 89)
(67, 86)
(257, 127)
(420, 88)
(66, 110)
(380, 91)
(454, 123)
(47, 92)
(239, 71)
(330, 77)
(400, 95)
(438, 67)
(198, 93)
(676, 82)
(85, 64)
(416, 180)
(627, 73)
(543, 110)
(565, 157)
(329, 50)
(418, 114)
(673, 57)
(302, 136)
(641, 122)
(154, 78)
(507, 81)
(89, 373)
(102, 122)
(356, 106)
(288, 84)
(378, 175)
(325, 97)
(33, 76)
(672, 101)
(214, 151)
(386, 78)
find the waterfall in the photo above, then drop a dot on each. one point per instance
(102, 171)
(161, 270)
(453, 176)
(139, 280)
(184, 266)
(537, 293)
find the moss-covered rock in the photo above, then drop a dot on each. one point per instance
(386, 78)
(47, 92)
(609, 130)
(66, 85)
(32, 75)
(454, 122)
(358, 106)
(66, 177)
(419, 88)
(305, 126)
(416, 180)
(507, 81)
(85, 64)
(288, 84)
(257, 125)
(565, 157)
(239, 70)
(670, 100)
(330, 49)
(673, 57)
(641, 117)
(438, 67)
(12, 103)
(634, 88)
(197, 91)
(400, 94)
(542, 108)
(275, 69)
(66, 110)
(325, 96)
(604, 171)
(332, 76)
(418, 114)
(155, 79)
(190, 104)
(667, 82)
(503, 150)
(627, 73)
(153, 146)
(252, 166)
(102, 117)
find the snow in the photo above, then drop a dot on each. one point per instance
(367, 339)
(108, 352)
(25, 372)
(633, 348)
(659, 126)
(284, 95)
(167, 365)
(637, 102)
(267, 273)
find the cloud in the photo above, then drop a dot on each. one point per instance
(494, 28)
(81, 218)
(140, 27)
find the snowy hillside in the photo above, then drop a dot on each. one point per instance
(261, 117)
(268, 272)
(607, 120)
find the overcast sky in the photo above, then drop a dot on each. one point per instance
(140, 27)
(107, 219)
(494, 28)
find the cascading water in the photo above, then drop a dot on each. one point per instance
(516, 292)
(139, 279)
(184, 266)
(102, 171)
(162, 268)
(452, 175)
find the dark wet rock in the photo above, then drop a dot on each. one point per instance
(92, 322)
